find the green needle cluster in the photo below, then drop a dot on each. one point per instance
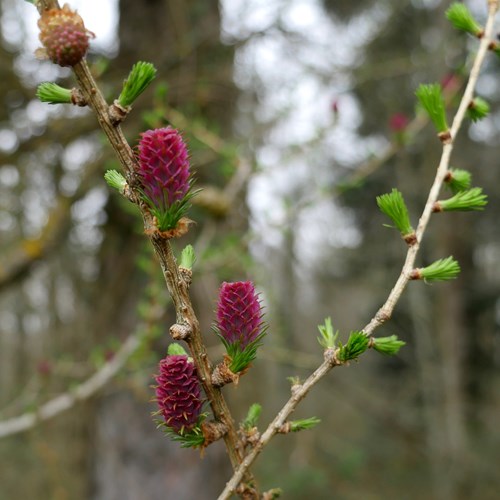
(441, 270)
(461, 19)
(53, 94)
(394, 206)
(431, 98)
(141, 75)
(458, 180)
(464, 201)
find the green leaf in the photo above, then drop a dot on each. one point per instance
(458, 180)
(328, 337)
(394, 206)
(431, 98)
(53, 93)
(472, 199)
(478, 109)
(387, 345)
(441, 270)
(461, 19)
(356, 345)
(252, 417)
(141, 75)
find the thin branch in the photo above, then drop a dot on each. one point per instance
(66, 401)
(385, 312)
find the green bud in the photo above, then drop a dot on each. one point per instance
(478, 109)
(115, 180)
(465, 201)
(328, 335)
(252, 416)
(393, 205)
(441, 270)
(387, 345)
(458, 180)
(303, 424)
(461, 19)
(141, 75)
(53, 93)
(356, 345)
(176, 350)
(431, 98)
(188, 257)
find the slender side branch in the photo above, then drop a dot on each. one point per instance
(67, 400)
(385, 312)
(298, 394)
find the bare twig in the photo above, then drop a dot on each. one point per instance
(65, 401)
(385, 312)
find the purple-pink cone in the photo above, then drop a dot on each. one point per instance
(163, 166)
(239, 313)
(178, 393)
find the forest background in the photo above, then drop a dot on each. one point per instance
(298, 114)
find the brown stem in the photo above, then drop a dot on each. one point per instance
(176, 285)
(94, 97)
(178, 290)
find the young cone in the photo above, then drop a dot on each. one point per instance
(178, 393)
(64, 36)
(239, 322)
(165, 175)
